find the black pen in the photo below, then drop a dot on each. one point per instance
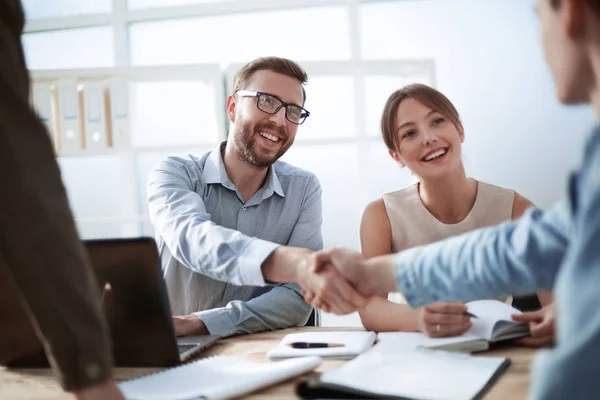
(468, 314)
(310, 345)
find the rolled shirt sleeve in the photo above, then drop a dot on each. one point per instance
(283, 306)
(179, 214)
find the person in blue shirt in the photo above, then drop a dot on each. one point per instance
(557, 249)
(235, 220)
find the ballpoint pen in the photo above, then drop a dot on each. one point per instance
(309, 345)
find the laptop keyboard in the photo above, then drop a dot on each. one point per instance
(185, 347)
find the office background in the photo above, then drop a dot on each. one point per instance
(157, 73)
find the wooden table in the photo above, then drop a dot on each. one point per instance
(40, 384)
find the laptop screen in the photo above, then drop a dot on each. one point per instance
(135, 301)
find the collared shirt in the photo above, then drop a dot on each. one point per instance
(557, 249)
(212, 243)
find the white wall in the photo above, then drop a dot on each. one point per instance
(490, 64)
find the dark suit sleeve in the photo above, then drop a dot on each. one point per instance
(40, 251)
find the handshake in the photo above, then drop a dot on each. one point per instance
(336, 280)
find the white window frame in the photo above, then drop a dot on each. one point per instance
(121, 17)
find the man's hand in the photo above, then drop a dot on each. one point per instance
(541, 323)
(187, 325)
(335, 294)
(443, 319)
(104, 391)
(370, 277)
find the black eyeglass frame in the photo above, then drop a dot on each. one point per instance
(251, 93)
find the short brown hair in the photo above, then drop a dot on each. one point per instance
(425, 95)
(274, 64)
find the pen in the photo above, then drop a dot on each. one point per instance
(468, 314)
(309, 345)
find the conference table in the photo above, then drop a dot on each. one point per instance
(40, 384)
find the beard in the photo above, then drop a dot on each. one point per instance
(247, 148)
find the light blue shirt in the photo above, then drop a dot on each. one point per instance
(212, 243)
(557, 249)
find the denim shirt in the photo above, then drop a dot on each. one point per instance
(212, 243)
(558, 249)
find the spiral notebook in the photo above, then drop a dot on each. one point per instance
(218, 377)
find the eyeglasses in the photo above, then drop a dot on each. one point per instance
(271, 105)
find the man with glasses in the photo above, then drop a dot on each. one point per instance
(235, 219)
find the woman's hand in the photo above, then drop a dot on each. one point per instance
(443, 319)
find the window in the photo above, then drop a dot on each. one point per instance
(333, 100)
(378, 88)
(170, 77)
(243, 37)
(413, 36)
(69, 48)
(37, 9)
(90, 181)
(133, 4)
(173, 113)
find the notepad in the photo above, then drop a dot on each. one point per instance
(354, 343)
(218, 377)
(493, 324)
(411, 373)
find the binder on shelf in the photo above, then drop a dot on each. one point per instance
(118, 101)
(42, 100)
(70, 138)
(95, 116)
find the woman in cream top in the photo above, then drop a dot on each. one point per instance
(423, 133)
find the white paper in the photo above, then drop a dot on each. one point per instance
(218, 377)
(416, 373)
(354, 343)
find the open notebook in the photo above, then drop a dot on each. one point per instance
(353, 343)
(493, 324)
(408, 373)
(218, 377)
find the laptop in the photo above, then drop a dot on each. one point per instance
(136, 307)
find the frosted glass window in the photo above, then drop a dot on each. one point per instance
(445, 29)
(336, 166)
(69, 48)
(435, 21)
(382, 174)
(377, 91)
(173, 113)
(133, 4)
(330, 101)
(321, 33)
(93, 185)
(36, 9)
